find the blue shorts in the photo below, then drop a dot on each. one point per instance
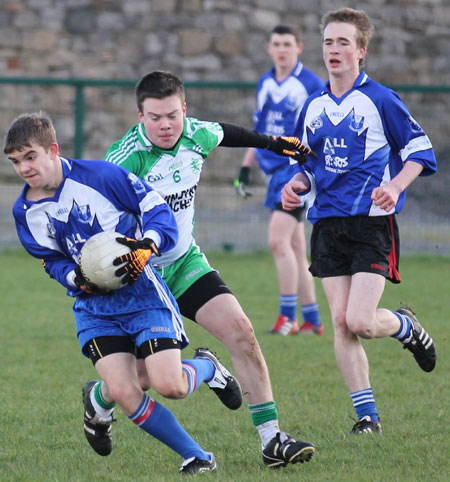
(142, 311)
(276, 183)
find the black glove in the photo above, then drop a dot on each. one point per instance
(87, 286)
(241, 183)
(134, 244)
(291, 147)
(136, 259)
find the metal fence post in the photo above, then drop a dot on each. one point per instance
(79, 120)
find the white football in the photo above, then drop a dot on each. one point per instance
(96, 260)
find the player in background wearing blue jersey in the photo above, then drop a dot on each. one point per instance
(369, 150)
(63, 203)
(281, 93)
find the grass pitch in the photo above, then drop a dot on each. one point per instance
(42, 372)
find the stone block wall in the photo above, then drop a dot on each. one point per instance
(199, 40)
(209, 39)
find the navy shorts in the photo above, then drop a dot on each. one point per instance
(345, 246)
(297, 213)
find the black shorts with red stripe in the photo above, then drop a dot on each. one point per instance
(349, 245)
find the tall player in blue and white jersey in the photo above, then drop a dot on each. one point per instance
(63, 203)
(369, 150)
(281, 93)
(169, 149)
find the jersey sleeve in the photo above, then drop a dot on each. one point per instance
(238, 136)
(131, 194)
(56, 264)
(206, 135)
(126, 153)
(133, 162)
(405, 136)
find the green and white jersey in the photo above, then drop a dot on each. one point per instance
(173, 173)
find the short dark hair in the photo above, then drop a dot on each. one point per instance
(158, 85)
(286, 29)
(26, 128)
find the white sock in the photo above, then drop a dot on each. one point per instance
(267, 431)
(101, 412)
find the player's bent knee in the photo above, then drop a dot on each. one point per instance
(241, 331)
(340, 323)
(243, 343)
(361, 328)
(126, 395)
(171, 389)
(364, 332)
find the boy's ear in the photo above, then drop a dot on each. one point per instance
(54, 149)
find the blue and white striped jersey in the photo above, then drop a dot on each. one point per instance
(94, 196)
(362, 141)
(278, 108)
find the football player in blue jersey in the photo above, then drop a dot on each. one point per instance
(369, 151)
(63, 203)
(281, 93)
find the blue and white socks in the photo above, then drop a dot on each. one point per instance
(364, 404)
(288, 306)
(311, 314)
(404, 333)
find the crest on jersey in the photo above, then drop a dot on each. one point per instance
(136, 183)
(316, 123)
(83, 213)
(196, 165)
(356, 122)
(414, 124)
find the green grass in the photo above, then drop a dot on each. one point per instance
(42, 372)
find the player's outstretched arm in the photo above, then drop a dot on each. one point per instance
(238, 136)
(291, 147)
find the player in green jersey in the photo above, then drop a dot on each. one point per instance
(168, 149)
